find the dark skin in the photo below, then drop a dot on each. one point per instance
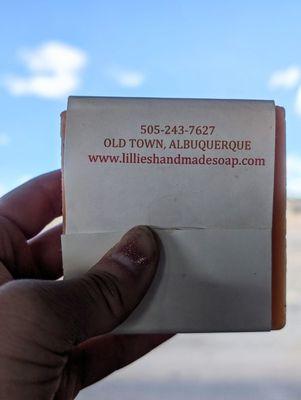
(54, 334)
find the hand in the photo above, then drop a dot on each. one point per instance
(50, 343)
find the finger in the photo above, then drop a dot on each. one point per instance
(115, 285)
(34, 204)
(82, 308)
(47, 253)
(101, 356)
(5, 276)
(15, 253)
(97, 358)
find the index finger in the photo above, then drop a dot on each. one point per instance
(34, 204)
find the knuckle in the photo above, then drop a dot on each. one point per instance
(106, 287)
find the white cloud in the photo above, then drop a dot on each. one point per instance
(54, 71)
(4, 139)
(294, 176)
(128, 78)
(287, 78)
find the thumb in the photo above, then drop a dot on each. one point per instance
(111, 289)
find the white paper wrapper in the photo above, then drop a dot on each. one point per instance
(214, 220)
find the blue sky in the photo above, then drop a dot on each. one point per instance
(215, 49)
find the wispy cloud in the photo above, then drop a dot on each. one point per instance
(294, 176)
(286, 79)
(289, 78)
(128, 78)
(54, 71)
(4, 139)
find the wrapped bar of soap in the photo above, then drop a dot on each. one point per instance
(209, 177)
